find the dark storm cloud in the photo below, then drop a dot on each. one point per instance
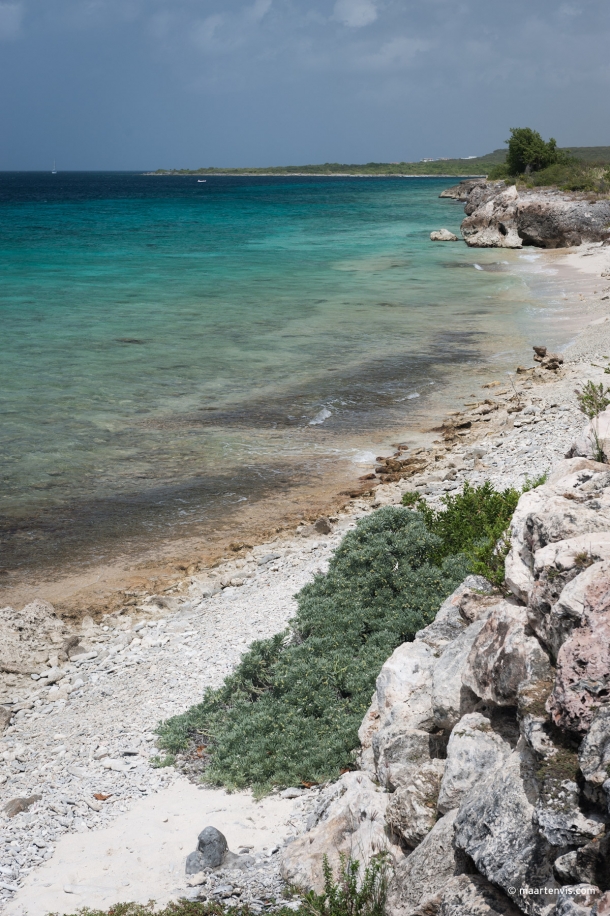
(143, 83)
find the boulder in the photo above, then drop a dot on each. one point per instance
(349, 820)
(474, 750)
(472, 895)
(495, 828)
(558, 815)
(503, 656)
(449, 698)
(491, 224)
(443, 235)
(420, 879)
(583, 665)
(411, 809)
(402, 699)
(211, 849)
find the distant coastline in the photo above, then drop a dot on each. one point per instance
(475, 167)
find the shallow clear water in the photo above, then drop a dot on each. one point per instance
(170, 347)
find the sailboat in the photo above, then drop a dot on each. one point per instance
(53, 170)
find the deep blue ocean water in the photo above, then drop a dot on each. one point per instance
(171, 348)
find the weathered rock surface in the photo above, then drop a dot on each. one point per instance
(211, 849)
(504, 217)
(350, 818)
(582, 684)
(443, 235)
(474, 750)
(462, 190)
(420, 879)
(412, 807)
(503, 656)
(594, 436)
(594, 752)
(472, 895)
(28, 636)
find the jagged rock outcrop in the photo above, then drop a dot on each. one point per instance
(443, 235)
(498, 216)
(489, 734)
(461, 190)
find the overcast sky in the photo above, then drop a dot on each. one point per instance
(130, 84)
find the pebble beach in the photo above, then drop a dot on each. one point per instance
(99, 821)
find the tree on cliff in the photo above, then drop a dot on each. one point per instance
(528, 152)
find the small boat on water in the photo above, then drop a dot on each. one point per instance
(201, 180)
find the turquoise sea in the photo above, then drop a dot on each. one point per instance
(172, 349)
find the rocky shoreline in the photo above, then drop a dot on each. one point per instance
(78, 744)
(506, 216)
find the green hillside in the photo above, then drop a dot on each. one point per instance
(453, 167)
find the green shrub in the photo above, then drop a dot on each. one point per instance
(290, 711)
(350, 895)
(528, 152)
(474, 523)
(499, 172)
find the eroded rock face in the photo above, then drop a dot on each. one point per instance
(349, 819)
(582, 684)
(502, 656)
(472, 895)
(495, 827)
(412, 807)
(420, 879)
(461, 190)
(474, 750)
(594, 752)
(501, 217)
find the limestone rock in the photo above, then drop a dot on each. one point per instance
(420, 880)
(400, 753)
(588, 865)
(495, 828)
(543, 217)
(474, 750)
(555, 608)
(594, 752)
(503, 656)
(402, 699)
(583, 665)
(559, 817)
(462, 190)
(349, 818)
(560, 509)
(412, 808)
(443, 235)
(472, 895)
(449, 699)
(23, 634)
(467, 603)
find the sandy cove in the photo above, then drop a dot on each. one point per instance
(90, 733)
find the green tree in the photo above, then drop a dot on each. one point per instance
(528, 152)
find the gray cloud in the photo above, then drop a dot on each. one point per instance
(142, 83)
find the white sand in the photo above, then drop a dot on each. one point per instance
(141, 855)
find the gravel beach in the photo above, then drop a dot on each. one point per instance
(96, 822)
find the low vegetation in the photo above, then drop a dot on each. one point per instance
(592, 400)
(538, 164)
(290, 712)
